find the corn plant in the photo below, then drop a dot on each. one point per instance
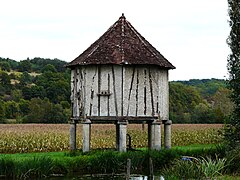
(19, 138)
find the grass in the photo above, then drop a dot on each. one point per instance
(21, 138)
(26, 165)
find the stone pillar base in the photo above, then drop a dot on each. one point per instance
(122, 133)
(73, 127)
(86, 128)
(167, 134)
(154, 133)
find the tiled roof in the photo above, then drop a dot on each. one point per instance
(121, 44)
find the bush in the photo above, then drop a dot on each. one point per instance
(193, 168)
(182, 169)
(36, 167)
(7, 167)
(233, 160)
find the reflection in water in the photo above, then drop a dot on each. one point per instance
(146, 177)
(108, 177)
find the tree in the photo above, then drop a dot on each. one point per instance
(2, 112)
(232, 132)
(5, 66)
(11, 109)
(25, 65)
(37, 108)
(5, 83)
(183, 100)
(25, 78)
(23, 107)
(49, 67)
(222, 102)
(33, 92)
(43, 111)
(203, 113)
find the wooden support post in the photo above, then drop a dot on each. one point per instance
(149, 135)
(73, 127)
(117, 136)
(128, 169)
(86, 135)
(122, 145)
(167, 134)
(150, 165)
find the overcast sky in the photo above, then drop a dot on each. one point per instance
(191, 34)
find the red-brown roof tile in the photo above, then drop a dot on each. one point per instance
(121, 44)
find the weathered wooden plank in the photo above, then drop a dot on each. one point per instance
(117, 88)
(155, 89)
(94, 92)
(166, 96)
(141, 92)
(91, 90)
(148, 93)
(99, 89)
(80, 91)
(73, 92)
(163, 94)
(137, 92)
(151, 91)
(127, 85)
(104, 102)
(111, 98)
(123, 86)
(131, 111)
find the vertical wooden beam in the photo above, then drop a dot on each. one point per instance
(117, 136)
(150, 135)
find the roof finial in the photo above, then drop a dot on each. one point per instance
(123, 15)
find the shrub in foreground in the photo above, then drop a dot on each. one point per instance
(97, 161)
(196, 168)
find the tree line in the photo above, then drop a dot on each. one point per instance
(34, 91)
(38, 91)
(200, 101)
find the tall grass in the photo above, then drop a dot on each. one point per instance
(212, 168)
(193, 168)
(37, 165)
(30, 167)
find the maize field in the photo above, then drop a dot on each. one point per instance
(22, 138)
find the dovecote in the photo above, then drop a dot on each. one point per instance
(121, 78)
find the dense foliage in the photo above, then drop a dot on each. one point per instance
(34, 90)
(38, 91)
(199, 101)
(233, 130)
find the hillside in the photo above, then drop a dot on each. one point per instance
(38, 91)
